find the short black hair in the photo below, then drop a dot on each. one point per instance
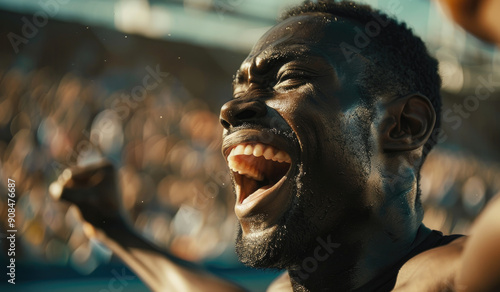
(400, 62)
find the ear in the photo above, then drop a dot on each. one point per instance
(407, 124)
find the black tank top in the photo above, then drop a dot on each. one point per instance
(386, 282)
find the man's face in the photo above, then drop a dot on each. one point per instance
(297, 140)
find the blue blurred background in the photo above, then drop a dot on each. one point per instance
(72, 92)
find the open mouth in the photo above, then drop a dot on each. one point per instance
(257, 167)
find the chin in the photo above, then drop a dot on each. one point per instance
(281, 246)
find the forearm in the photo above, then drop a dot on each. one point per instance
(93, 190)
(158, 269)
(480, 269)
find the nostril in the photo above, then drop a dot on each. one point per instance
(225, 124)
(246, 114)
(238, 111)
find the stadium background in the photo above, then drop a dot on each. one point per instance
(72, 92)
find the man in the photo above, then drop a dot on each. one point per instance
(334, 111)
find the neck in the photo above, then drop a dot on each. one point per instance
(364, 250)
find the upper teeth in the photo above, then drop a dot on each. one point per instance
(257, 150)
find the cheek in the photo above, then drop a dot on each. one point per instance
(334, 151)
(331, 140)
(314, 123)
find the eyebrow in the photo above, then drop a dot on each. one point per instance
(279, 58)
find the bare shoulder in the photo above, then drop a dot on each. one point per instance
(469, 263)
(466, 264)
(432, 270)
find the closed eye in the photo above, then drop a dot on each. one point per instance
(290, 78)
(291, 74)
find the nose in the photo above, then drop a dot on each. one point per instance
(238, 111)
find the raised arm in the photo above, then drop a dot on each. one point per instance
(93, 190)
(480, 270)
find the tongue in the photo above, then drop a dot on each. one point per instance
(250, 187)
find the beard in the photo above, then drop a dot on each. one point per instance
(316, 211)
(288, 242)
(279, 249)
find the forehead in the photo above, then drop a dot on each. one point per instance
(307, 36)
(312, 31)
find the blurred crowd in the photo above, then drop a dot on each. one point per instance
(455, 189)
(165, 145)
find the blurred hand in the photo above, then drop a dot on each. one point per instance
(479, 17)
(93, 189)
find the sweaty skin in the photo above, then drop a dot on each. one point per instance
(297, 93)
(297, 78)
